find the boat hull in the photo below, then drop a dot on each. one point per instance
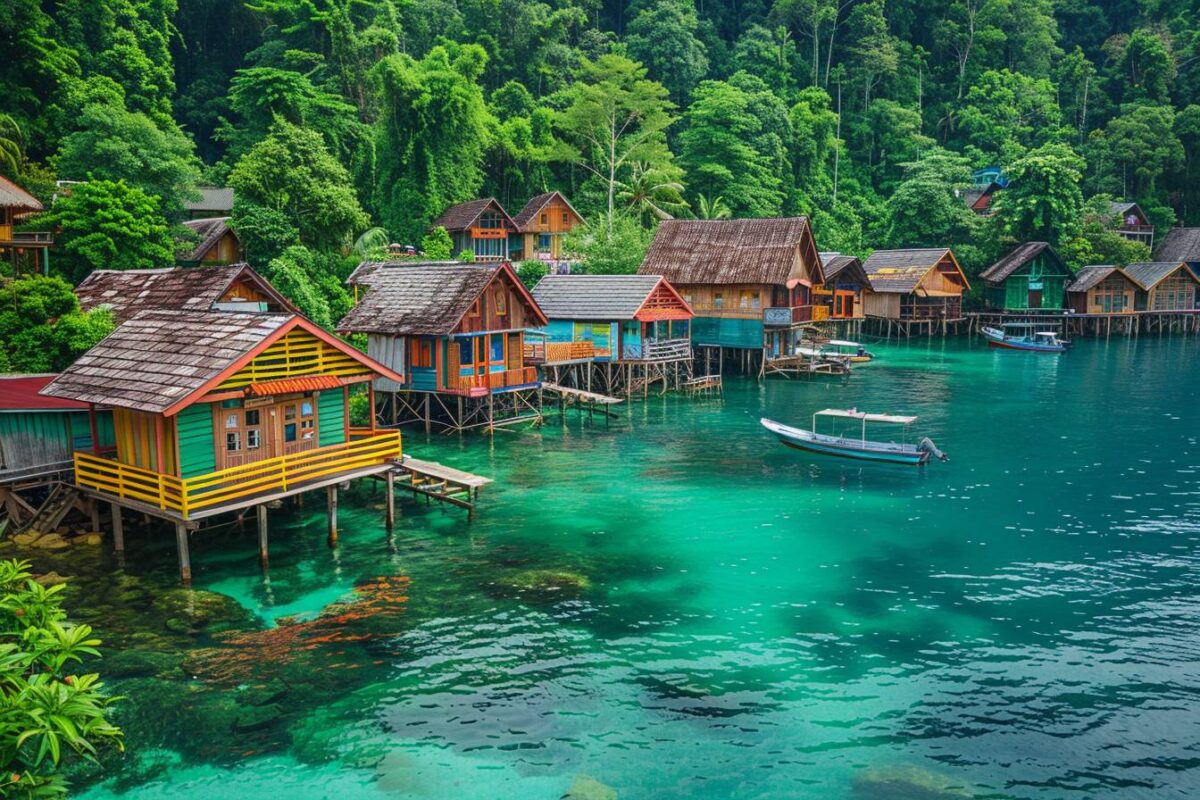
(844, 448)
(998, 339)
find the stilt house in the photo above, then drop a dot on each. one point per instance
(846, 283)
(1181, 244)
(457, 332)
(1031, 276)
(613, 318)
(1132, 222)
(1101, 289)
(38, 434)
(232, 288)
(918, 284)
(749, 281)
(214, 412)
(542, 224)
(29, 249)
(1163, 286)
(481, 227)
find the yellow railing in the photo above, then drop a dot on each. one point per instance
(366, 448)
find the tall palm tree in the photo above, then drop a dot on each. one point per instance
(712, 209)
(10, 144)
(651, 193)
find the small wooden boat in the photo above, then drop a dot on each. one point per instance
(836, 349)
(857, 447)
(1025, 336)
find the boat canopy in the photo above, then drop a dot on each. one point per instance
(853, 413)
(842, 343)
(1030, 324)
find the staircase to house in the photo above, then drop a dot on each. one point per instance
(62, 497)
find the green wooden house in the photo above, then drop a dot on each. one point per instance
(1032, 276)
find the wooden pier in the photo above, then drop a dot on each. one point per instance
(580, 398)
(796, 366)
(438, 482)
(705, 385)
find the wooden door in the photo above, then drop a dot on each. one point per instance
(243, 436)
(1035, 298)
(295, 426)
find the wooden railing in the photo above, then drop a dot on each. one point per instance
(366, 448)
(475, 385)
(559, 351)
(7, 234)
(787, 315)
(658, 350)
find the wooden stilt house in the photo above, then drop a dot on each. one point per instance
(29, 249)
(126, 292)
(918, 284)
(214, 412)
(1101, 289)
(457, 332)
(1029, 277)
(481, 227)
(40, 434)
(846, 283)
(749, 281)
(1163, 286)
(613, 318)
(543, 223)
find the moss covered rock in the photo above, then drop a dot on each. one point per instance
(545, 584)
(907, 783)
(585, 787)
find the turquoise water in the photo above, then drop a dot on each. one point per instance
(679, 607)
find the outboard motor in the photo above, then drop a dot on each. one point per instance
(926, 445)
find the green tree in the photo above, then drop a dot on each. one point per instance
(437, 244)
(617, 253)
(663, 37)
(713, 208)
(1099, 242)
(652, 193)
(1143, 141)
(293, 173)
(925, 210)
(1006, 112)
(433, 132)
(41, 326)
(530, 272)
(1043, 201)
(309, 280)
(1148, 65)
(615, 117)
(264, 232)
(107, 224)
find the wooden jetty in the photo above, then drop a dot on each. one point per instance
(438, 482)
(705, 385)
(580, 398)
(796, 366)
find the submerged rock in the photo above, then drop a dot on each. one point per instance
(906, 783)
(549, 584)
(188, 610)
(51, 579)
(585, 787)
(255, 718)
(27, 538)
(51, 541)
(133, 663)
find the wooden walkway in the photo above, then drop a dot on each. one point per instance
(705, 384)
(439, 482)
(580, 398)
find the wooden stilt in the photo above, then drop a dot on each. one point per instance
(261, 511)
(390, 516)
(331, 495)
(94, 513)
(185, 561)
(118, 526)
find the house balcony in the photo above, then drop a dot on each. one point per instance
(25, 238)
(199, 496)
(782, 316)
(558, 352)
(1137, 233)
(658, 350)
(728, 312)
(483, 385)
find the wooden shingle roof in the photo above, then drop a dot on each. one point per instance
(13, 196)
(1148, 274)
(423, 300)
(127, 292)
(733, 251)
(901, 271)
(209, 232)
(1180, 244)
(361, 275)
(530, 211)
(844, 269)
(161, 361)
(1089, 276)
(594, 297)
(1020, 255)
(463, 215)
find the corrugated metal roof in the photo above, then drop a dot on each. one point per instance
(745, 251)
(130, 291)
(594, 297)
(1020, 255)
(212, 198)
(20, 393)
(13, 196)
(1147, 274)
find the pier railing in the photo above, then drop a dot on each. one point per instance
(477, 385)
(559, 351)
(187, 495)
(658, 350)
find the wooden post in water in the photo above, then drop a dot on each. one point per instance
(261, 511)
(331, 495)
(94, 513)
(118, 528)
(390, 516)
(185, 561)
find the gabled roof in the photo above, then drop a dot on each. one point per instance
(1180, 244)
(363, 272)
(1018, 257)
(212, 198)
(162, 361)
(463, 215)
(425, 301)
(1149, 274)
(844, 269)
(973, 194)
(527, 214)
(210, 232)
(901, 271)
(1089, 276)
(20, 393)
(597, 297)
(127, 292)
(732, 251)
(13, 196)
(1122, 206)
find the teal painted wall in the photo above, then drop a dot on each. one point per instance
(197, 454)
(728, 332)
(331, 418)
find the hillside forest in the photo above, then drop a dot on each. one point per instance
(344, 125)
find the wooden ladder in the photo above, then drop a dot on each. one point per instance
(62, 497)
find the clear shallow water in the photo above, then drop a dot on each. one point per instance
(1021, 622)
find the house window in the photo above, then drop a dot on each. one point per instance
(497, 347)
(490, 248)
(544, 240)
(718, 300)
(253, 439)
(545, 218)
(466, 352)
(566, 219)
(749, 299)
(252, 417)
(233, 441)
(500, 301)
(289, 432)
(422, 354)
(474, 312)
